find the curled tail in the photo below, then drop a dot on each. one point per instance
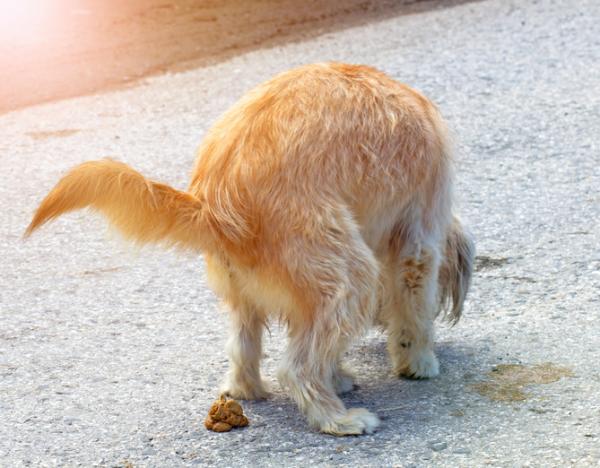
(142, 210)
(456, 271)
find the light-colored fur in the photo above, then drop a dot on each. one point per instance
(323, 198)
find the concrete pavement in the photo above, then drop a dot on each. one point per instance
(111, 356)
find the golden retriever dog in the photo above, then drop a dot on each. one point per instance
(322, 198)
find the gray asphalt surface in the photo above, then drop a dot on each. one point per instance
(111, 356)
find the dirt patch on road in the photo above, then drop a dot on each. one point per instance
(65, 48)
(507, 382)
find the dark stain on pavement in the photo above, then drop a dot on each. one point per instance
(483, 262)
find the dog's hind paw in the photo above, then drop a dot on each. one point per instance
(422, 366)
(356, 421)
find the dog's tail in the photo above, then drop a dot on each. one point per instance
(142, 210)
(456, 271)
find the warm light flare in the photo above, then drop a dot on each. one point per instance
(22, 21)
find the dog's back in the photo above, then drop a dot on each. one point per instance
(323, 134)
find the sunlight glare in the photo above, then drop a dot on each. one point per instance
(22, 21)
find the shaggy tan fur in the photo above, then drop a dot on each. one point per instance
(323, 197)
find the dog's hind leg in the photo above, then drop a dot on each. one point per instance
(307, 372)
(414, 273)
(247, 324)
(337, 273)
(245, 351)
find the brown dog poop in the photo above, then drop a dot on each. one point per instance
(224, 414)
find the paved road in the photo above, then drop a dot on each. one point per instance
(110, 355)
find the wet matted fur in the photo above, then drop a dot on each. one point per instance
(323, 197)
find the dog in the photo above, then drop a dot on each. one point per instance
(323, 198)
